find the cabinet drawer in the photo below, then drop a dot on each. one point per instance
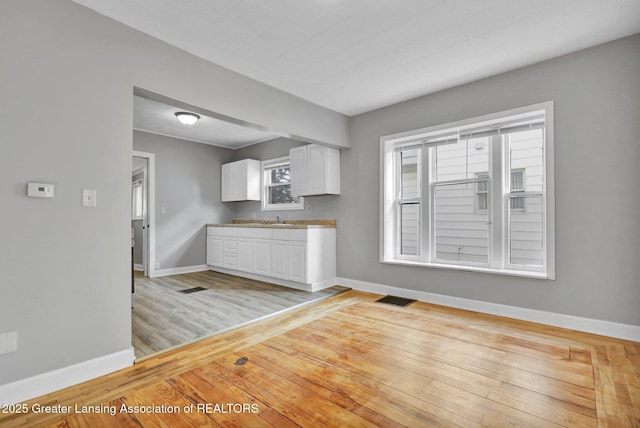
(230, 231)
(215, 231)
(230, 245)
(290, 234)
(254, 232)
(230, 260)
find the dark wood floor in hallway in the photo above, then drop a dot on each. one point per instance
(348, 361)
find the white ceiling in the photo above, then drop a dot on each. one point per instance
(354, 56)
(159, 118)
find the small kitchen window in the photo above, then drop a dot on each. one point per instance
(276, 192)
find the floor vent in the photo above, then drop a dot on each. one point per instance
(395, 300)
(192, 290)
(241, 361)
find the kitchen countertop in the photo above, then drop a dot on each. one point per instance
(288, 224)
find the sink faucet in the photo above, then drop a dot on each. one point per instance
(279, 220)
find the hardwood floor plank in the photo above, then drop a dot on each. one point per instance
(346, 361)
(363, 396)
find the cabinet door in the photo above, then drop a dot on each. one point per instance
(280, 259)
(262, 256)
(227, 182)
(215, 251)
(316, 170)
(298, 261)
(245, 254)
(239, 180)
(298, 170)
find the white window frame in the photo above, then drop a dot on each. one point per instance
(478, 192)
(498, 198)
(402, 201)
(267, 166)
(515, 191)
(137, 200)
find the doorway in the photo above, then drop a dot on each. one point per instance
(142, 213)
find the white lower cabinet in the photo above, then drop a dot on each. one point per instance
(215, 252)
(262, 256)
(215, 246)
(289, 260)
(254, 250)
(230, 247)
(305, 256)
(298, 261)
(280, 259)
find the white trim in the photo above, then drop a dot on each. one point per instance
(265, 205)
(497, 263)
(138, 267)
(587, 325)
(180, 270)
(315, 286)
(151, 209)
(35, 386)
(468, 268)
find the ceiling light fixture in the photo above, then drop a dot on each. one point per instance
(187, 118)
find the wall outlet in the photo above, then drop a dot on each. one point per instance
(157, 265)
(8, 342)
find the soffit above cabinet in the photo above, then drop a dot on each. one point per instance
(159, 118)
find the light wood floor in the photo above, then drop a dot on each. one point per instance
(164, 318)
(347, 361)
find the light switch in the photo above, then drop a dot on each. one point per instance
(8, 342)
(88, 197)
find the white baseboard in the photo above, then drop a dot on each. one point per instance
(264, 278)
(138, 267)
(587, 325)
(180, 270)
(321, 285)
(35, 386)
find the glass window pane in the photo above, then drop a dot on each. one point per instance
(410, 173)
(517, 180)
(461, 233)
(526, 156)
(462, 160)
(526, 232)
(281, 195)
(482, 201)
(409, 229)
(279, 175)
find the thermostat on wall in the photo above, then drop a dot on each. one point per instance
(40, 190)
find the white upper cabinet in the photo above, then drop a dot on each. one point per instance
(241, 181)
(315, 170)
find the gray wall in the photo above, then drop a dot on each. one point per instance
(65, 270)
(597, 158)
(316, 207)
(187, 181)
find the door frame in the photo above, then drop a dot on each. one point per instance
(150, 245)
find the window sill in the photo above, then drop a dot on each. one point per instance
(510, 272)
(283, 207)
